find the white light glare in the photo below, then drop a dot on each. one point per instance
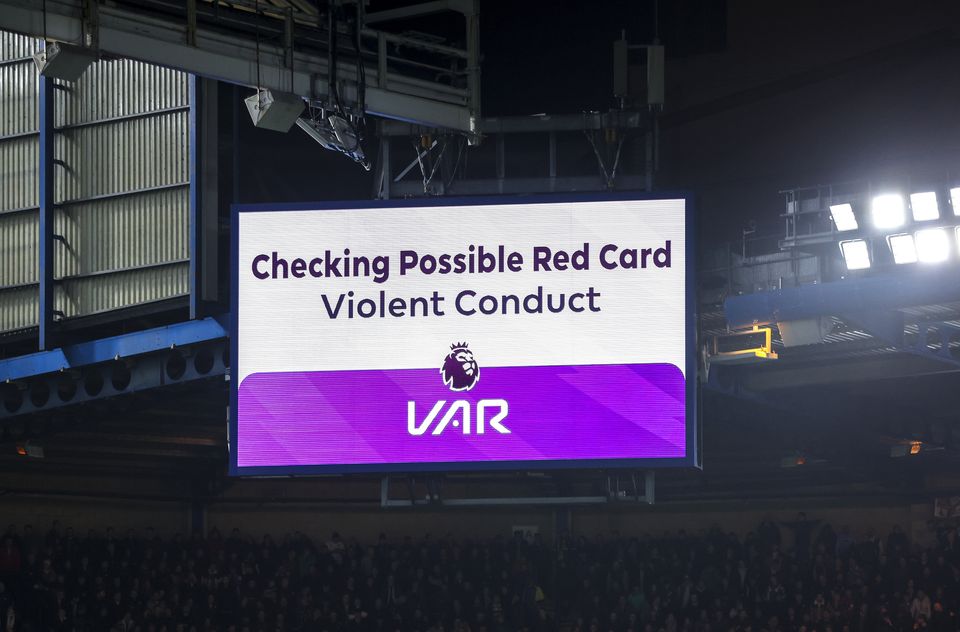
(855, 254)
(933, 245)
(955, 200)
(888, 211)
(903, 248)
(924, 206)
(843, 217)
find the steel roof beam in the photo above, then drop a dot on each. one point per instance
(932, 286)
(233, 59)
(114, 348)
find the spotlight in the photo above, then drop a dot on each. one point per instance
(336, 134)
(924, 206)
(955, 200)
(63, 61)
(933, 245)
(32, 450)
(912, 448)
(903, 247)
(276, 111)
(855, 254)
(888, 211)
(795, 460)
(843, 217)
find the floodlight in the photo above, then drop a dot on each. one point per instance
(955, 200)
(933, 245)
(903, 247)
(273, 110)
(843, 217)
(63, 61)
(888, 211)
(855, 254)
(924, 206)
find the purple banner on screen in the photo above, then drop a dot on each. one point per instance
(544, 413)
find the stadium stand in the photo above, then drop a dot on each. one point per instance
(824, 581)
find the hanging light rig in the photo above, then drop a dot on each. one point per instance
(272, 109)
(331, 125)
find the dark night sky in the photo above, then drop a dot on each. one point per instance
(760, 97)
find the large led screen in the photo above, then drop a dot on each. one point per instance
(458, 334)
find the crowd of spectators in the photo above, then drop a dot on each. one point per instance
(799, 576)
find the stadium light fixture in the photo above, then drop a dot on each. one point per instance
(66, 62)
(274, 110)
(924, 206)
(955, 200)
(855, 254)
(903, 247)
(843, 217)
(888, 211)
(933, 245)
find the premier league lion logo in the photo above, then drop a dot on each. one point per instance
(460, 371)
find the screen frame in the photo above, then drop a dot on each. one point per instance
(691, 422)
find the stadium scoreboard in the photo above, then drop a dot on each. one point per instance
(462, 334)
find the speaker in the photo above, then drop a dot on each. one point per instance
(277, 111)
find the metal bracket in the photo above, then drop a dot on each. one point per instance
(90, 18)
(636, 487)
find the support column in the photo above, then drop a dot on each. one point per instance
(45, 250)
(194, 201)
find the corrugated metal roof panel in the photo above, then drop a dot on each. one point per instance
(19, 308)
(92, 295)
(18, 98)
(18, 248)
(122, 156)
(120, 88)
(13, 46)
(19, 173)
(125, 232)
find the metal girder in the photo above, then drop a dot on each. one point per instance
(490, 186)
(231, 58)
(420, 10)
(113, 348)
(588, 121)
(196, 361)
(641, 489)
(933, 340)
(889, 291)
(758, 384)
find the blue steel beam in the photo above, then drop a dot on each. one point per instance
(195, 224)
(45, 250)
(890, 291)
(106, 349)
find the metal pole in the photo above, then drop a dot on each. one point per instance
(45, 262)
(195, 224)
(473, 59)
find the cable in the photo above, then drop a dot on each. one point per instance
(293, 40)
(333, 89)
(361, 70)
(256, 17)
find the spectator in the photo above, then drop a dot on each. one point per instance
(684, 582)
